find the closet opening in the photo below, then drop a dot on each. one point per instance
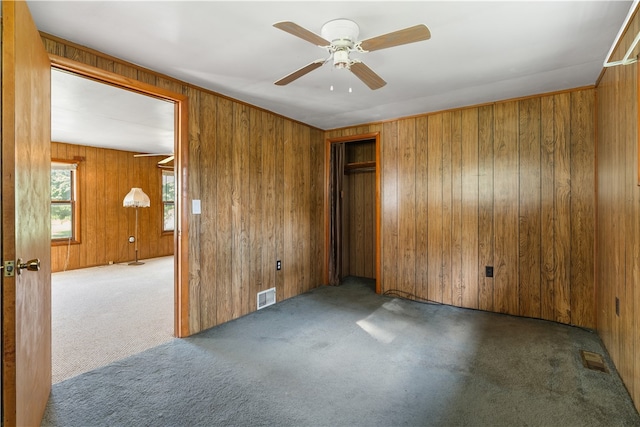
(353, 208)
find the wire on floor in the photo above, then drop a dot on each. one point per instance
(407, 295)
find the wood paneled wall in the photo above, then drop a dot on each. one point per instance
(508, 185)
(618, 236)
(260, 178)
(105, 177)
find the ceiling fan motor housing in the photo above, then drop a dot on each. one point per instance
(341, 32)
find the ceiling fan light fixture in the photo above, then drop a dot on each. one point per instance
(341, 59)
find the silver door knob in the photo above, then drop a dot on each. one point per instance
(31, 265)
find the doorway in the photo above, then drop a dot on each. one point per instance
(178, 237)
(353, 208)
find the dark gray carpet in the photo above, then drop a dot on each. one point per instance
(344, 356)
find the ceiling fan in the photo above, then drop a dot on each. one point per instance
(340, 38)
(162, 163)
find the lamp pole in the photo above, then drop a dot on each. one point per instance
(136, 262)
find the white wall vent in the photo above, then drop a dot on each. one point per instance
(266, 298)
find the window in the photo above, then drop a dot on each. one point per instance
(168, 200)
(64, 206)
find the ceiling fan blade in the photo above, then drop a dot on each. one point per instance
(303, 33)
(408, 35)
(367, 75)
(301, 72)
(152, 155)
(165, 161)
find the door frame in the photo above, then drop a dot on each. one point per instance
(327, 198)
(181, 152)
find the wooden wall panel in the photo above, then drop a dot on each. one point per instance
(582, 147)
(456, 209)
(498, 185)
(406, 206)
(470, 208)
(446, 219)
(224, 214)
(618, 209)
(422, 205)
(389, 206)
(105, 225)
(240, 210)
(316, 193)
(529, 273)
(254, 187)
(435, 217)
(562, 195)
(505, 202)
(256, 203)
(485, 208)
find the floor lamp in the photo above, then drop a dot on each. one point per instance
(136, 199)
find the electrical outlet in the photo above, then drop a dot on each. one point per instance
(617, 306)
(488, 271)
(278, 265)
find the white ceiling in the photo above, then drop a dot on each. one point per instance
(86, 112)
(478, 52)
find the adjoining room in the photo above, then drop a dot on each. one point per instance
(112, 223)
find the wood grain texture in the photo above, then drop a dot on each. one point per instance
(505, 176)
(389, 208)
(456, 209)
(224, 214)
(495, 185)
(435, 217)
(529, 208)
(485, 208)
(105, 225)
(562, 195)
(26, 297)
(470, 208)
(547, 189)
(446, 219)
(422, 206)
(256, 203)
(582, 147)
(627, 352)
(240, 177)
(618, 201)
(195, 270)
(406, 206)
(203, 278)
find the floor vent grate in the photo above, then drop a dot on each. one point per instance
(593, 361)
(266, 298)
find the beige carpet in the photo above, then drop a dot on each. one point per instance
(104, 314)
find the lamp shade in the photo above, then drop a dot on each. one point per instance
(136, 199)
